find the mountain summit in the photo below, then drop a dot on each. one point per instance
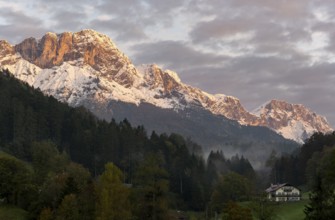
(86, 68)
(293, 121)
(86, 47)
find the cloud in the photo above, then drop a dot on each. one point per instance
(144, 12)
(217, 29)
(280, 8)
(52, 5)
(68, 20)
(129, 20)
(124, 30)
(254, 27)
(174, 54)
(327, 27)
(18, 25)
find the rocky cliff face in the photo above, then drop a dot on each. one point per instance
(86, 47)
(168, 87)
(232, 108)
(87, 67)
(156, 78)
(7, 54)
(293, 121)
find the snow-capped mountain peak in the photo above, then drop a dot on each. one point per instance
(87, 67)
(293, 121)
(86, 47)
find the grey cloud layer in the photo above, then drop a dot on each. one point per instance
(252, 49)
(18, 25)
(173, 54)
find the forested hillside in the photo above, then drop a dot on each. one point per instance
(298, 167)
(66, 162)
(313, 168)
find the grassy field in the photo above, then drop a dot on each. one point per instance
(286, 210)
(282, 211)
(12, 213)
(290, 210)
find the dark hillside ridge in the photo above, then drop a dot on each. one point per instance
(53, 120)
(212, 132)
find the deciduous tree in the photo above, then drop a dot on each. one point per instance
(230, 187)
(112, 195)
(15, 178)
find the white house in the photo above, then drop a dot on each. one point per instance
(283, 192)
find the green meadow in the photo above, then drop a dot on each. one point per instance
(12, 213)
(290, 210)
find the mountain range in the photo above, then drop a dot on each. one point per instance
(87, 69)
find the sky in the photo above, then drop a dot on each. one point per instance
(255, 50)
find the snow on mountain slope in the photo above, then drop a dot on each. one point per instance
(74, 84)
(293, 121)
(87, 65)
(232, 108)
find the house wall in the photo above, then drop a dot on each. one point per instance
(285, 193)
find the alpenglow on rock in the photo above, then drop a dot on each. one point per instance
(83, 48)
(293, 121)
(86, 68)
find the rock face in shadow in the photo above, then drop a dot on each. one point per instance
(28, 49)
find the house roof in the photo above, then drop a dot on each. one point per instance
(274, 187)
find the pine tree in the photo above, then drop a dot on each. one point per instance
(322, 197)
(151, 189)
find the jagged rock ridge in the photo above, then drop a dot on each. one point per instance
(87, 67)
(86, 47)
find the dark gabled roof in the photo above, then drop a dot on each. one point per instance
(274, 187)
